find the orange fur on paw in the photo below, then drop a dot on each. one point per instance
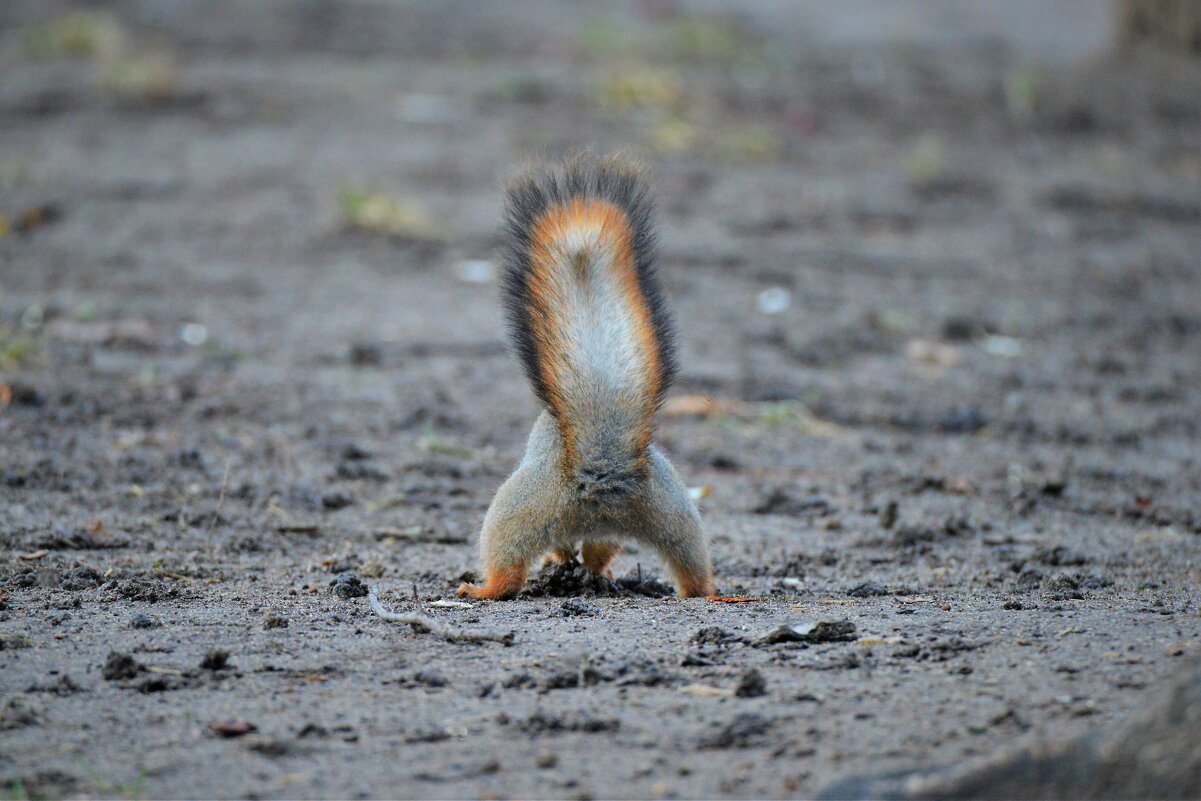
(559, 555)
(599, 555)
(504, 583)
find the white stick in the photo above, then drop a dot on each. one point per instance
(428, 624)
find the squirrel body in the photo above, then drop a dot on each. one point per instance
(592, 331)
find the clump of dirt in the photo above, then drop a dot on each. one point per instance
(81, 578)
(811, 632)
(547, 723)
(570, 578)
(751, 684)
(714, 635)
(18, 713)
(143, 589)
(744, 730)
(216, 659)
(78, 539)
(120, 667)
(870, 589)
(347, 586)
(274, 620)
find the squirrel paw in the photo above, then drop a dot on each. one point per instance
(499, 584)
(696, 586)
(483, 591)
(559, 555)
(599, 556)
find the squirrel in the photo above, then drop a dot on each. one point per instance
(590, 325)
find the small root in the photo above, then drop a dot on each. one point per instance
(422, 623)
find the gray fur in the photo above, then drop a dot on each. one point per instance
(535, 512)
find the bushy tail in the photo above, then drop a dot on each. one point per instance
(587, 314)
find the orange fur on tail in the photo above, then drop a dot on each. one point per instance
(587, 313)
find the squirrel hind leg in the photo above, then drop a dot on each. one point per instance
(598, 556)
(670, 523)
(693, 581)
(689, 565)
(517, 527)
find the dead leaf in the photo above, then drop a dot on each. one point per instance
(700, 405)
(38, 554)
(730, 599)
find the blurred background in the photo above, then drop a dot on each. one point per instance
(215, 169)
(848, 192)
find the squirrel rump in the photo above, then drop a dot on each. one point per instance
(591, 328)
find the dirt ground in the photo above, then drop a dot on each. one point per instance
(938, 273)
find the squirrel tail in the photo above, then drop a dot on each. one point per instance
(587, 314)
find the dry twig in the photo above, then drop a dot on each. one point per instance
(422, 623)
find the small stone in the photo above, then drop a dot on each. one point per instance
(232, 728)
(867, 589)
(429, 734)
(888, 517)
(431, 678)
(546, 760)
(271, 747)
(354, 452)
(336, 499)
(143, 622)
(810, 632)
(158, 684)
(365, 354)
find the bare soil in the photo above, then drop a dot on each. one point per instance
(944, 294)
